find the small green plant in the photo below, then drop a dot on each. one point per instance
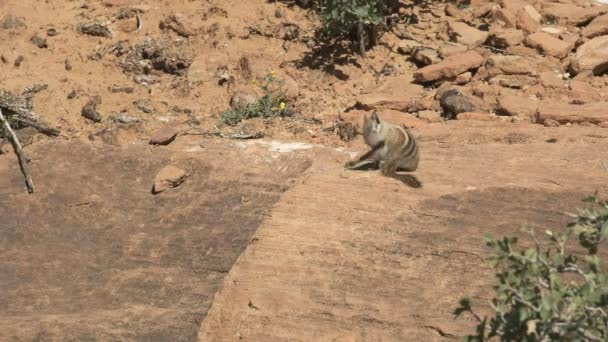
(272, 104)
(549, 295)
(342, 17)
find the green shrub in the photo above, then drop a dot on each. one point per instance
(272, 104)
(549, 294)
(343, 17)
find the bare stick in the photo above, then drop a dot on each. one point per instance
(20, 154)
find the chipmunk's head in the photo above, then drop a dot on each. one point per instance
(372, 125)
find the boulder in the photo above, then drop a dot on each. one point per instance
(598, 27)
(450, 67)
(591, 56)
(549, 45)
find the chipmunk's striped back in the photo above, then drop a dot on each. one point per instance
(399, 151)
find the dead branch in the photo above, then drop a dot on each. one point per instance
(20, 153)
(40, 127)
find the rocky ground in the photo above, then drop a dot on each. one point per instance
(143, 203)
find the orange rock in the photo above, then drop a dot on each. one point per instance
(450, 67)
(549, 45)
(476, 116)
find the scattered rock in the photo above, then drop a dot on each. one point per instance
(597, 27)
(450, 67)
(452, 103)
(592, 56)
(503, 38)
(10, 21)
(517, 105)
(244, 97)
(68, 64)
(476, 116)
(125, 119)
(504, 17)
(152, 54)
(453, 11)
(163, 136)
(525, 20)
(569, 14)
(168, 177)
(594, 112)
(462, 33)
(176, 23)
(549, 45)
(448, 49)
(127, 24)
(550, 79)
(89, 110)
(426, 56)
(396, 95)
(143, 106)
(71, 95)
(430, 116)
(514, 81)
(95, 29)
(550, 123)
(18, 61)
(122, 89)
(39, 42)
(33, 89)
(462, 79)
(407, 46)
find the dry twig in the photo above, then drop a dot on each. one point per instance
(20, 153)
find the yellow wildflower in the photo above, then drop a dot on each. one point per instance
(282, 105)
(254, 82)
(273, 73)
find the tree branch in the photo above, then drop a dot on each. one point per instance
(20, 153)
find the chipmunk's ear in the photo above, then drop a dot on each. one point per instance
(375, 117)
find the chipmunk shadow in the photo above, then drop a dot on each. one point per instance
(407, 179)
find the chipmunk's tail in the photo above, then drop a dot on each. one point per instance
(409, 180)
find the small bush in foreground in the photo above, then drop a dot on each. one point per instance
(272, 104)
(549, 294)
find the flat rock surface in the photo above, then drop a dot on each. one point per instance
(353, 256)
(92, 255)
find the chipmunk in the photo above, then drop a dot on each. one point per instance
(393, 149)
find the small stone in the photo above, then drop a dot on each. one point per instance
(67, 64)
(176, 23)
(504, 17)
(430, 116)
(18, 61)
(406, 46)
(549, 45)
(463, 78)
(525, 21)
(244, 97)
(168, 177)
(452, 103)
(163, 136)
(550, 79)
(592, 56)
(453, 11)
(122, 89)
(95, 29)
(464, 34)
(426, 56)
(39, 42)
(597, 27)
(10, 21)
(51, 32)
(450, 67)
(476, 116)
(503, 38)
(448, 49)
(568, 14)
(89, 110)
(550, 123)
(71, 95)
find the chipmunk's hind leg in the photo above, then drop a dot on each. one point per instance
(390, 170)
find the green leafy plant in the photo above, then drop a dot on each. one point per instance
(343, 17)
(272, 104)
(549, 294)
